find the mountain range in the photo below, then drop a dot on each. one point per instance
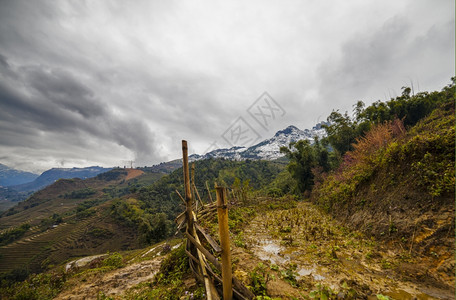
(11, 194)
(50, 176)
(10, 176)
(17, 185)
(268, 149)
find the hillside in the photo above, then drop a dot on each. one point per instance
(60, 197)
(10, 195)
(399, 188)
(69, 218)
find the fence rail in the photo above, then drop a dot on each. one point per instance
(204, 264)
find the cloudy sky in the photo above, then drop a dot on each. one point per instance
(103, 82)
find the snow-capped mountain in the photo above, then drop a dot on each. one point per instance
(234, 153)
(268, 149)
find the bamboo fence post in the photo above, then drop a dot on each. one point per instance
(207, 283)
(192, 182)
(197, 195)
(209, 192)
(182, 198)
(188, 193)
(222, 212)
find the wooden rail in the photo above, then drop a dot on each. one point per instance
(204, 262)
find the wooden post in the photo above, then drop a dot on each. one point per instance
(198, 195)
(209, 192)
(193, 173)
(202, 261)
(188, 193)
(222, 212)
(193, 183)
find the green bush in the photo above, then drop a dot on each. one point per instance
(259, 278)
(114, 260)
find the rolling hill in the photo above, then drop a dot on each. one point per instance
(69, 218)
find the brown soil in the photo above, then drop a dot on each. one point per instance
(113, 283)
(246, 262)
(318, 252)
(133, 173)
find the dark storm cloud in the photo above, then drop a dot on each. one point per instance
(47, 100)
(64, 91)
(52, 100)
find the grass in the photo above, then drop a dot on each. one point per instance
(169, 281)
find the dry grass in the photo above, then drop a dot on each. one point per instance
(374, 140)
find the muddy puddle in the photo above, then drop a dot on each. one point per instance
(330, 260)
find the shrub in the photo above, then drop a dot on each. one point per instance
(114, 260)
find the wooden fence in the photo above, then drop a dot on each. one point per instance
(204, 262)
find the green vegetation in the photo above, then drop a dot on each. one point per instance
(55, 219)
(423, 157)
(114, 174)
(344, 131)
(13, 234)
(375, 137)
(151, 227)
(36, 287)
(259, 278)
(80, 194)
(115, 260)
(306, 162)
(169, 281)
(323, 292)
(387, 159)
(154, 207)
(49, 284)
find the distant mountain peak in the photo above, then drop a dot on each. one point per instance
(51, 175)
(10, 176)
(268, 149)
(288, 130)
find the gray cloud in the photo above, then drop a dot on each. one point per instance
(53, 101)
(101, 82)
(401, 52)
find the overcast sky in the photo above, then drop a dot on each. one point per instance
(102, 82)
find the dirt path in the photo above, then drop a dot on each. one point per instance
(315, 253)
(113, 283)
